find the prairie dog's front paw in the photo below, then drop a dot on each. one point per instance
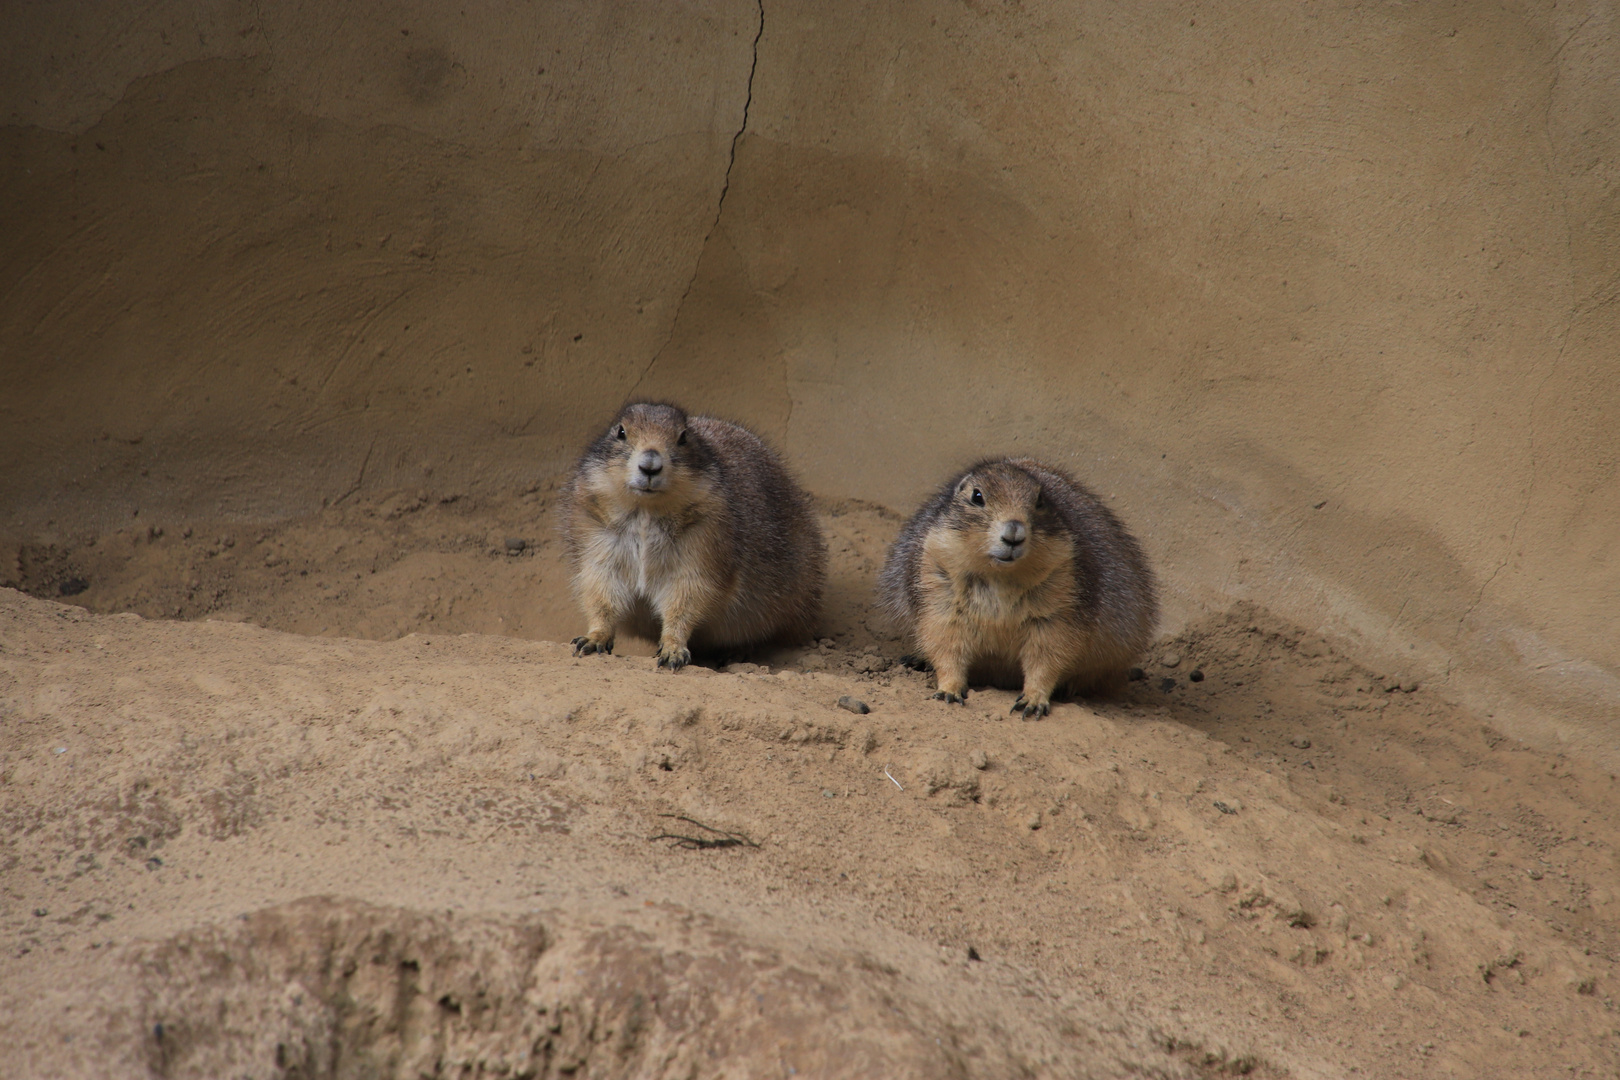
(674, 657)
(1032, 710)
(950, 697)
(592, 643)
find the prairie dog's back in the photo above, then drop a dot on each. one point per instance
(778, 550)
(1117, 589)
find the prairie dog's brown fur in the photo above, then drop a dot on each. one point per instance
(690, 530)
(1013, 568)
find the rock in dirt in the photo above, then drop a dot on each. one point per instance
(1170, 659)
(1301, 743)
(854, 705)
(516, 545)
(979, 760)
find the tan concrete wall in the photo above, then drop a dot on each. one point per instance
(1322, 297)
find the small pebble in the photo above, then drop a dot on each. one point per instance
(854, 705)
(1535, 875)
(1167, 684)
(979, 760)
(826, 794)
(1196, 675)
(1301, 743)
(1034, 821)
(516, 545)
(1170, 659)
(973, 954)
(40, 913)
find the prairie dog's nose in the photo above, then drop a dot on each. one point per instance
(1013, 533)
(651, 462)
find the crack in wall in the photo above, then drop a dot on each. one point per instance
(720, 205)
(360, 480)
(1557, 361)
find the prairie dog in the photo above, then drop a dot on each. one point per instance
(1014, 569)
(689, 530)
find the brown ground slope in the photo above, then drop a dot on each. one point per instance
(305, 308)
(1286, 863)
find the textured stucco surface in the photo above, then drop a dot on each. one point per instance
(1322, 297)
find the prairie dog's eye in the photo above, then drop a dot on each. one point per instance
(1040, 501)
(620, 435)
(680, 440)
(977, 498)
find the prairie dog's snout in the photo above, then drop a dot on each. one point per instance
(1008, 545)
(649, 474)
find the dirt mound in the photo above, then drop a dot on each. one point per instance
(1291, 863)
(328, 988)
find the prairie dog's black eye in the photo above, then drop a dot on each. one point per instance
(621, 432)
(977, 498)
(1040, 501)
(680, 440)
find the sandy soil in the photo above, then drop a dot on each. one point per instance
(1266, 860)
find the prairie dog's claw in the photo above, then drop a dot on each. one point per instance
(584, 646)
